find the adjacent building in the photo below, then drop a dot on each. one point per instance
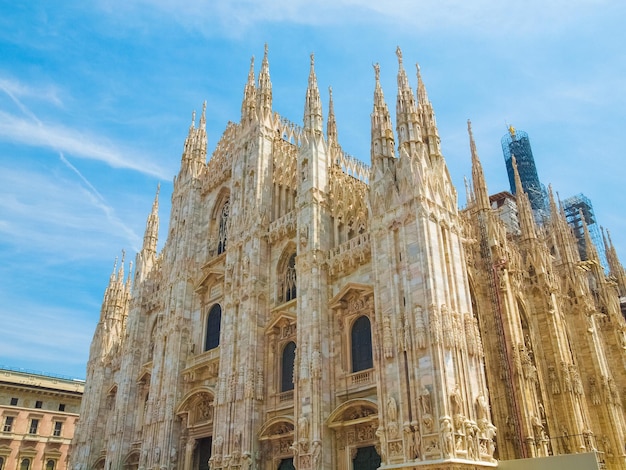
(309, 311)
(38, 416)
(578, 208)
(516, 146)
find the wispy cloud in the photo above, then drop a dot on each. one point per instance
(485, 17)
(16, 90)
(57, 218)
(71, 141)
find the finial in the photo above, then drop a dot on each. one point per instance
(399, 54)
(419, 70)
(193, 118)
(158, 188)
(312, 59)
(376, 71)
(265, 53)
(330, 92)
(512, 131)
(123, 256)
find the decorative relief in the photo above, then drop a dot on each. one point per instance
(447, 437)
(349, 255)
(577, 384)
(554, 380)
(387, 337)
(594, 393)
(435, 325)
(420, 329)
(447, 327)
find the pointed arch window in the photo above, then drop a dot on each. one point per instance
(287, 363)
(222, 235)
(361, 344)
(288, 280)
(213, 325)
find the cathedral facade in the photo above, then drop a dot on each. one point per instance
(308, 311)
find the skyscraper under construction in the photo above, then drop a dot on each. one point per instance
(516, 144)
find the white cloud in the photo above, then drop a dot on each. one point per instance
(16, 89)
(485, 17)
(57, 218)
(71, 141)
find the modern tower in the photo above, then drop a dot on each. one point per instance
(516, 144)
(576, 208)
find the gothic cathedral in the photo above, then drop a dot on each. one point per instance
(310, 312)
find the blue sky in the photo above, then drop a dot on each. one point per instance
(96, 99)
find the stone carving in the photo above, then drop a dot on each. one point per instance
(316, 454)
(447, 327)
(425, 401)
(217, 446)
(470, 336)
(482, 408)
(577, 384)
(380, 434)
(420, 329)
(567, 382)
(316, 363)
(554, 381)
(435, 325)
(447, 438)
(387, 338)
(259, 385)
(303, 429)
(456, 401)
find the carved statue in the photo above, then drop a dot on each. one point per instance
(425, 401)
(456, 401)
(482, 407)
(392, 409)
(447, 438)
(303, 429)
(316, 453)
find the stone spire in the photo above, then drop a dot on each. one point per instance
(248, 106)
(407, 125)
(331, 123)
(526, 220)
(194, 151)
(382, 150)
(481, 195)
(114, 310)
(426, 115)
(562, 233)
(264, 91)
(151, 234)
(313, 104)
(616, 269)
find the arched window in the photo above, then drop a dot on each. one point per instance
(1, 463)
(213, 323)
(50, 465)
(25, 465)
(288, 280)
(286, 371)
(222, 235)
(361, 338)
